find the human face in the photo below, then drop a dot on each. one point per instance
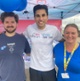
(10, 25)
(70, 34)
(41, 18)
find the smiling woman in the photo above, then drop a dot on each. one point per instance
(71, 33)
(67, 55)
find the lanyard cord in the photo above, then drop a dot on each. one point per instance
(66, 62)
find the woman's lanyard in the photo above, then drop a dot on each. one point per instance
(66, 62)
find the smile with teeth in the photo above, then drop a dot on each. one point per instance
(41, 22)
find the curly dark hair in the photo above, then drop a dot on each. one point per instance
(9, 14)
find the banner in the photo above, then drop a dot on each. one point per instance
(24, 23)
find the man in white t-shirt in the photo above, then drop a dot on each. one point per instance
(41, 37)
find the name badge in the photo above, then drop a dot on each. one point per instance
(65, 75)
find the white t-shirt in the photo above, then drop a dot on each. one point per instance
(42, 46)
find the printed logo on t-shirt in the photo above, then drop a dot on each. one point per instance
(37, 35)
(11, 47)
(47, 35)
(3, 47)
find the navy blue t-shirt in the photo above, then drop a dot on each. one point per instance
(11, 60)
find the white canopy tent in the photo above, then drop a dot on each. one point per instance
(58, 9)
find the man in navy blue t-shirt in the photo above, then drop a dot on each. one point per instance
(12, 46)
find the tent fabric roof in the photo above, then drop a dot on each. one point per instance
(58, 9)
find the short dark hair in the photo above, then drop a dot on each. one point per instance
(38, 7)
(9, 14)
